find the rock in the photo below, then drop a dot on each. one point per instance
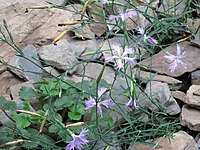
(7, 80)
(145, 77)
(27, 67)
(192, 97)
(13, 2)
(194, 24)
(19, 29)
(82, 30)
(52, 71)
(195, 77)
(15, 95)
(97, 28)
(181, 141)
(172, 7)
(158, 64)
(179, 95)
(197, 92)
(31, 3)
(57, 2)
(198, 142)
(75, 78)
(37, 27)
(63, 57)
(190, 117)
(160, 92)
(81, 47)
(2, 68)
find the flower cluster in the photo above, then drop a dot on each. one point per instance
(147, 38)
(90, 103)
(123, 16)
(78, 140)
(175, 60)
(120, 55)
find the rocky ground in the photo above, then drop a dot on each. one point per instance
(34, 31)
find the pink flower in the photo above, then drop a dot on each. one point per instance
(175, 60)
(78, 141)
(90, 103)
(123, 16)
(120, 56)
(147, 38)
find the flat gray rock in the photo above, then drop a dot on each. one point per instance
(24, 68)
(160, 91)
(80, 47)
(60, 56)
(145, 77)
(195, 77)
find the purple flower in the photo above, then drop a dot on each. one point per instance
(123, 16)
(90, 103)
(132, 104)
(78, 141)
(120, 56)
(175, 60)
(147, 38)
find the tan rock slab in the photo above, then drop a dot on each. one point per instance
(7, 80)
(192, 97)
(179, 95)
(190, 117)
(181, 141)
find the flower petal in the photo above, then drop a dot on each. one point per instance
(119, 64)
(128, 50)
(130, 61)
(152, 40)
(107, 103)
(109, 59)
(90, 103)
(112, 17)
(99, 110)
(78, 141)
(101, 91)
(178, 50)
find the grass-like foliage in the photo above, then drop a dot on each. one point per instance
(83, 114)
